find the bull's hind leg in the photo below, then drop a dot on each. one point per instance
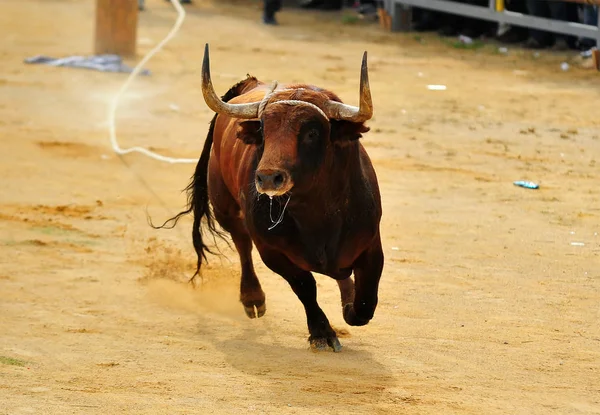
(358, 310)
(346, 290)
(304, 285)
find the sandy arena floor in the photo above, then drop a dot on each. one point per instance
(486, 305)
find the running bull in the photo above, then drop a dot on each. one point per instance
(283, 169)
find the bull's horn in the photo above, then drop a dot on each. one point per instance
(245, 111)
(338, 111)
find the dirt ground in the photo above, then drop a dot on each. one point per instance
(490, 297)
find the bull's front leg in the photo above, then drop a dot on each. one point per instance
(304, 286)
(360, 307)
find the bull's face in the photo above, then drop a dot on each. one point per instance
(293, 142)
(294, 134)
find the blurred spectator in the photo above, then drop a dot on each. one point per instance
(590, 17)
(322, 4)
(270, 8)
(141, 3)
(427, 20)
(451, 25)
(513, 34)
(557, 10)
(367, 7)
(467, 26)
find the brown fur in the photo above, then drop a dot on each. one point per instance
(331, 225)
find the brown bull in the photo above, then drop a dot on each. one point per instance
(283, 168)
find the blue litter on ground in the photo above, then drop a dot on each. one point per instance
(526, 184)
(103, 63)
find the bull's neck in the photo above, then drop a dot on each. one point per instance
(332, 186)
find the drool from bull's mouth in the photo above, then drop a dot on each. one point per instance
(280, 218)
(264, 140)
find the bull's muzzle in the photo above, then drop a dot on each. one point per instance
(273, 182)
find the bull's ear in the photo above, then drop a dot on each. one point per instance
(250, 132)
(346, 131)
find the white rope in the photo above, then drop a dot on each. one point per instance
(113, 106)
(278, 221)
(265, 100)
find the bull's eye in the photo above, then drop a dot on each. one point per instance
(312, 135)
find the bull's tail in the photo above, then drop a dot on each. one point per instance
(198, 204)
(197, 190)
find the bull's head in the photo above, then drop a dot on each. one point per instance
(291, 129)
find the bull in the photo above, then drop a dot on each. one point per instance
(283, 169)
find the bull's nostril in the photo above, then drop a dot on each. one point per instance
(271, 181)
(278, 180)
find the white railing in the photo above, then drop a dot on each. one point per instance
(400, 12)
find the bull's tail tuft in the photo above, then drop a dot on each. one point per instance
(198, 204)
(197, 190)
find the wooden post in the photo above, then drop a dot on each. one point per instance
(116, 27)
(385, 20)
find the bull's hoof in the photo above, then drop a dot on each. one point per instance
(320, 344)
(351, 318)
(254, 311)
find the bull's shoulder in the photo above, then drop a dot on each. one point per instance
(369, 176)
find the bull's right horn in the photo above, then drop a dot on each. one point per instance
(338, 111)
(245, 111)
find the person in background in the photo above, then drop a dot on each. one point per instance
(270, 8)
(366, 7)
(450, 24)
(513, 34)
(322, 4)
(141, 3)
(426, 20)
(557, 10)
(590, 17)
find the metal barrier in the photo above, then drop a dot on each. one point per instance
(401, 15)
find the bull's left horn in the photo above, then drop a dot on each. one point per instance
(245, 111)
(338, 111)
